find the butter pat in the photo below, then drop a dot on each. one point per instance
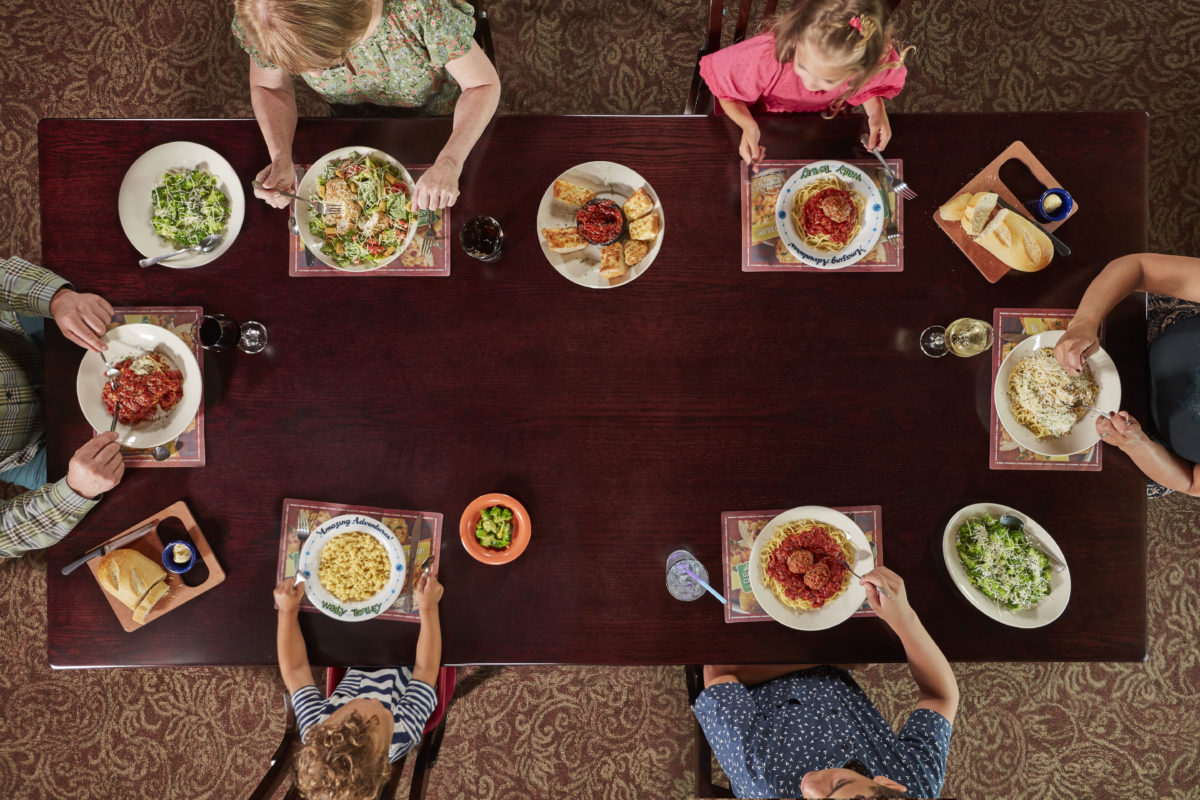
(180, 554)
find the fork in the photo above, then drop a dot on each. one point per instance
(320, 207)
(898, 186)
(301, 535)
(892, 229)
(430, 238)
(846, 564)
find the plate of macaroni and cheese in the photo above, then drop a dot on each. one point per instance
(1041, 406)
(353, 567)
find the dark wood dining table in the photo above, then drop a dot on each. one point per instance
(624, 420)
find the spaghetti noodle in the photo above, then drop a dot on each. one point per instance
(802, 563)
(1045, 399)
(829, 214)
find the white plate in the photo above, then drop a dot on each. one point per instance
(1084, 434)
(310, 560)
(840, 608)
(1047, 610)
(134, 340)
(610, 181)
(135, 207)
(868, 233)
(308, 187)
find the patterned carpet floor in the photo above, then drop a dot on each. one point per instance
(1035, 730)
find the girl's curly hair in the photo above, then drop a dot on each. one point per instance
(854, 33)
(338, 763)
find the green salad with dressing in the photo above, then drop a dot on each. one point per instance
(187, 205)
(1002, 563)
(495, 527)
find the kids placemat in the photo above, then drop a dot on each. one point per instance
(739, 529)
(1011, 326)
(763, 251)
(188, 449)
(417, 259)
(425, 526)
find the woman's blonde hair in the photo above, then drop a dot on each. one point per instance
(304, 35)
(337, 762)
(856, 34)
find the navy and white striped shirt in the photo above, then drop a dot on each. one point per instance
(410, 701)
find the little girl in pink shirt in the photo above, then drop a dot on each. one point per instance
(821, 55)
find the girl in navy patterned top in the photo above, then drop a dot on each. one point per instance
(372, 719)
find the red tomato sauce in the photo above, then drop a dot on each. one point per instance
(142, 395)
(600, 222)
(824, 551)
(816, 221)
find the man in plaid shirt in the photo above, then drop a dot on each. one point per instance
(41, 517)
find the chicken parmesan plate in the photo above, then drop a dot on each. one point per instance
(829, 214)
(1036, 401)
(796, 571)
(376, 222)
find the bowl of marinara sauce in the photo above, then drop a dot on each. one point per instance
(600, 221)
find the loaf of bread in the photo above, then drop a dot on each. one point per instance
(153, 596)
(129, 576)
(978, 211)
(953, 211)
(1017, 242)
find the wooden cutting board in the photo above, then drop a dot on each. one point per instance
(151, 546)
(988, 180)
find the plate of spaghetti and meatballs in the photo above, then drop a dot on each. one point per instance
(829, 214)
(796, 568)
(156, 393)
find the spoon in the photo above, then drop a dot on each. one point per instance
(161, 453)
(1016, 523)
(207, 245)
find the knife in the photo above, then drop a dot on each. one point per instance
(414, 541)
(108, 547)
(1060, 246)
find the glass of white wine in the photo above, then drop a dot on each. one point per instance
(964, 337)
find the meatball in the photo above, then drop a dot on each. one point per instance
(818, 576)
(837, 207)
(799, 562)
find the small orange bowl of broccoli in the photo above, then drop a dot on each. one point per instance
(494, 528)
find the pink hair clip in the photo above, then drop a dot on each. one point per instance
(856, 23)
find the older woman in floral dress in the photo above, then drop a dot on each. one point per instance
(416, 54)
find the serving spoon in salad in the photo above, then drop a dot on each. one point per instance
(1016, 523)
(207, 245)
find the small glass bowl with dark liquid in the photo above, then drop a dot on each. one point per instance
(482, 238)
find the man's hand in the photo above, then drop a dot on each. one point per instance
(895, 611)
(96, 467)
(83, 318)
(428, 592)
(288, 595)
(438, 187)
(279, 174)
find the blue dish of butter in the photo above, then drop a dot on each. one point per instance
(1054, 214)
(168, 557)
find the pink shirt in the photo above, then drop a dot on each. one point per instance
(748, 71)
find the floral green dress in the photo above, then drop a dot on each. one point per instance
(402, 63)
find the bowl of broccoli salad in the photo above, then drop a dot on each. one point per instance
(495, 528)
(188, 205)
(376, 220)
(1002, 563)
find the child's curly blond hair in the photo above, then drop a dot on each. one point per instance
(337, 762)
(853, 33)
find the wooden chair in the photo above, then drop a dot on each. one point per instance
(700, 99)
(483, 33)
(703, 766)
(427, 750)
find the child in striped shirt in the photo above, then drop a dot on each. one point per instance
(375, 716)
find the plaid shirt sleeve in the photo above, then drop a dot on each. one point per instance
(40, 518)
(27, 288)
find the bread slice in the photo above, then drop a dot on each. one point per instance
(645, 228)
(977, 211)
(128, 575)
(572, 193)
(1034, 244)
(635, 251)
(148, 602)
(612, 264)
(953, 211)
(998, 228)
(638, 205)
(563, 240)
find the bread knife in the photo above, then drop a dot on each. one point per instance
(107, 548)
(1060, 246)
(414, 542)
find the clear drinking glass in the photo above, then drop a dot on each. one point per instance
(679, 583)
(482, 238)
(964, 337)
(220, 332)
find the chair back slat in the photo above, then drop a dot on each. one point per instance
(743, 20)
(716, 11)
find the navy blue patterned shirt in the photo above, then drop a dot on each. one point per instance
(767, 737)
